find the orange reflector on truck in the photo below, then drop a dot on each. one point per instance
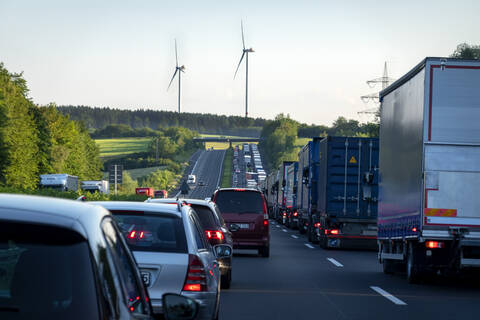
(440, 212)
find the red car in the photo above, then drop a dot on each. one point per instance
(245, 213)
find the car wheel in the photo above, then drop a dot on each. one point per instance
(226, 280)
(264, 252)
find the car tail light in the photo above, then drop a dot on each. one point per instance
(434, 244)
(196, 275)
(295, 214)
(217, 235)
(265, 222)
(284, 214)
(317, 225)
(239, 189)
(265, 211)
(131, 235)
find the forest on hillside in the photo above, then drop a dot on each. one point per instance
(36, 140)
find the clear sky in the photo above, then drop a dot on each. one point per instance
(311, 58)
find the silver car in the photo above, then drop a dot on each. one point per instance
(171, 252)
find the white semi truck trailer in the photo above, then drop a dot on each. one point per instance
(429, 166)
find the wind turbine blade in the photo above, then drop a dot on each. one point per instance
(243, 54)
(243, 38)
(176, 55)
(174, 74)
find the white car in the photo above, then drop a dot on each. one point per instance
(191, 179)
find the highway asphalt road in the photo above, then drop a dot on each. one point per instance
(208, 171)
(302, 281)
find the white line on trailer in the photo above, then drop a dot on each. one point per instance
(284, 230)
(335, 262)
(309, 246)
(388, 296)
(294, 236)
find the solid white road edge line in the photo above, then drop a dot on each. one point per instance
(335, 262)
(308, 245)
(294, 236)
(388, 296)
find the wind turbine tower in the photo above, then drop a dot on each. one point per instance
(244, 54)
(179, 70)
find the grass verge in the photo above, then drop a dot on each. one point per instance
(227, 169)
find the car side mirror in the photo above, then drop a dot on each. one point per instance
(178, 307)
(234, 227)
(223, 250)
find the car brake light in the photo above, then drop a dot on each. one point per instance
(265, 212)
(141, 235)
(239, 189)
(218, 235)
(265, 222)
(317, 225)
(132, 234)
(434, 244)
(284, 214)
(196, 275)
(295, 214)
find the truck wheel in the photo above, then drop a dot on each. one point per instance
(301, 228)
(388, 267)
(413, 269)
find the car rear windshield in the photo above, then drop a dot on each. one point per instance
(232, 201)
(152, 232)
(206, 216)
(45, 273)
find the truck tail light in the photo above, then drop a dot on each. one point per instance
(434, 244)
(196, 275)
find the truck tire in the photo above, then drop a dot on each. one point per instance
(413, 269)
(388, 266)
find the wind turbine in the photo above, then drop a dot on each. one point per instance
(179, 70)
(244, 54)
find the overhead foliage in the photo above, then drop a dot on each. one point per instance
(466, 51)
(37, 140)
(278, 140)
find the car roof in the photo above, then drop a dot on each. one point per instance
(172, 200)
(238, 189)
(140, 206)
(69, 214)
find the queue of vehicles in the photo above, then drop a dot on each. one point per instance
(412, 193)
(160, 259)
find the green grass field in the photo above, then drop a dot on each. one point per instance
(122, 146)
(301, 142)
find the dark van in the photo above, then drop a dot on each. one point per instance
(245, 213)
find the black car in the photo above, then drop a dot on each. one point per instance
(64, 259)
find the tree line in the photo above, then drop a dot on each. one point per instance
(99, 118)
(37, 140)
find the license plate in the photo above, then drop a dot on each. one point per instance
(243, 225)
(146, 278)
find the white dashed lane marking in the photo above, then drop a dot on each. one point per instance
(294, 236)
(335, 262)
(308, 245)
(388, 296)
(284, 230)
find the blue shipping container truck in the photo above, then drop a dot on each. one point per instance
(308, 159)
(345, 181)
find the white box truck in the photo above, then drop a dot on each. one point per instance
(100, 186)
(60, 181)
(429, 166)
